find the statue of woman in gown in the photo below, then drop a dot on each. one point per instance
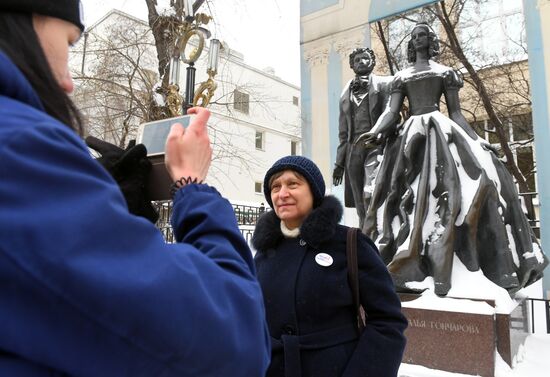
(440, 189)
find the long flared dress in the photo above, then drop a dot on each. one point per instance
(440, 191)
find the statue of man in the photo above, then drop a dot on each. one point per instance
(362, 102)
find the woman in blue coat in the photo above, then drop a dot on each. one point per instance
(302, 268)
(86, 288)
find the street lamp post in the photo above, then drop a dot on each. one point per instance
(191, 28)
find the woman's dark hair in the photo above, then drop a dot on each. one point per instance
(19, 42)
(433, 43)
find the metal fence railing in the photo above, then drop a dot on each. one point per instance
(546, 305)
(246, 216)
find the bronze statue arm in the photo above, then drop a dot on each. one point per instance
(453, 106)
(453, 83)
(387, 121)
(342, 149)
(455, 114)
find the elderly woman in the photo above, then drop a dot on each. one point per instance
(303, 270)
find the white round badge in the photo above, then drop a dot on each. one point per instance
(323, 259)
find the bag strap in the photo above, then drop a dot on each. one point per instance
(353, 276)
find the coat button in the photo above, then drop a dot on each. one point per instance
(289, 330)
(302, 242)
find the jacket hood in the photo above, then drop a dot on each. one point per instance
(14, 84)
(318, 227)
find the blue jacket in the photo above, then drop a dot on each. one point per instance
(86, 289)
(309, 305)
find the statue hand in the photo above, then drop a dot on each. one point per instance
(365, 139)
(337, 175)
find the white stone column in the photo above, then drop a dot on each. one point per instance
(544, 8)
(344, 46)
(317, 60)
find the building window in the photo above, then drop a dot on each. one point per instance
(295, 101)
(479, 128)
(293, 147)
(493, 137)
(241, 101)
(522, 127)
(494, 32)
(259, 140)
(258, 187)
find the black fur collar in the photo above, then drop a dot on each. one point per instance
(318, 227)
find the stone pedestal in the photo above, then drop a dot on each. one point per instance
(461, 342)
(512, 329)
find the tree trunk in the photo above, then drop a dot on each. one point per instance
(386, 47)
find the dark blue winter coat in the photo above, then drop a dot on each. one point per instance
(309, 307)
(86, 289)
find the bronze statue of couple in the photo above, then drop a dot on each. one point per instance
(429, 188)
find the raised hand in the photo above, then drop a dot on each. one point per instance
(188, 150)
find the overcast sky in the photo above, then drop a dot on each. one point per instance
(267, 32)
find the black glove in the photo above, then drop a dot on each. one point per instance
(130, 168)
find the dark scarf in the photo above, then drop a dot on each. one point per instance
(319, 226)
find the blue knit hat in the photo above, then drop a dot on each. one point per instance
(306, 168)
